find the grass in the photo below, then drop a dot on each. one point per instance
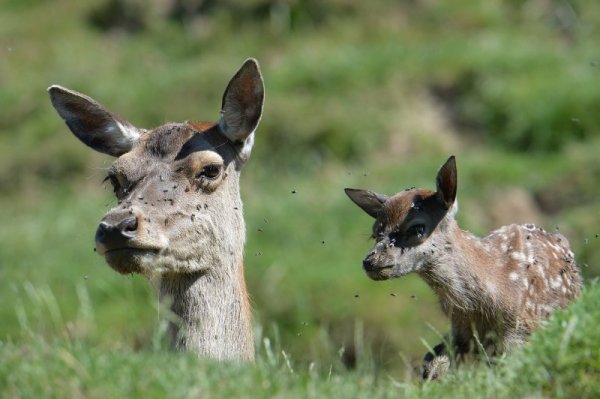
(561, 361)
(368, 95)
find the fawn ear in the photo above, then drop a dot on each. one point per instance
(92, 123)
(368, 201)
(446, 183)
(242, 104)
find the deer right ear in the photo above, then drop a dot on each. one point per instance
(242, 104)
(92, 123)
(368, 201)
(446, 182)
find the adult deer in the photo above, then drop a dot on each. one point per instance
(496, 289)
(179, 212)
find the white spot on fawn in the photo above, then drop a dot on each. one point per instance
(529, 304)
(518, 256)
(556, 283)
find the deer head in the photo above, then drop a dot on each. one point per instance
(177, 186)
(408, 225)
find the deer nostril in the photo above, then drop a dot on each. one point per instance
(128, 227)
(111, 236)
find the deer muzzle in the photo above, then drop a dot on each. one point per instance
(114, 236)
(118, 240)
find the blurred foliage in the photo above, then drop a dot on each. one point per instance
(519, 74)
(364, 94)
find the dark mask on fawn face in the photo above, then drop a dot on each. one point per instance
(406, 224)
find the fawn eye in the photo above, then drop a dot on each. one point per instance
(211, 171)
(418, 230)
(395, 237)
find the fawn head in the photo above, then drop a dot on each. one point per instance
(177, 185)
(407, 224)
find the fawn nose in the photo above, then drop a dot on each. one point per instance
(367, 264)
(115, 235)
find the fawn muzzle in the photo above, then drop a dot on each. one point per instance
(375, 269)
(368, 265)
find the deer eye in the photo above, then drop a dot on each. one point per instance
(211, 171)
(115, 182)
(418, 230)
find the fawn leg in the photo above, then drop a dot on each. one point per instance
(436, 364)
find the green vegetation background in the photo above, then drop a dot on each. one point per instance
(372, 94)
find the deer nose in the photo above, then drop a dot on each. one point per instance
(115, 235)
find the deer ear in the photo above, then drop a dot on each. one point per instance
(243, 103)
(446, 183)
(92, 123)
(368, 201)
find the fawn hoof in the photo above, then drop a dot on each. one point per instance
(435, 368)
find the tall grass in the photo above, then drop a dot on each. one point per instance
(561, 361)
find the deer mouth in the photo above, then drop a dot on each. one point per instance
(380, 273)
(129, 260)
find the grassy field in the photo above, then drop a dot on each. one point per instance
(561, 361)
(358, 94)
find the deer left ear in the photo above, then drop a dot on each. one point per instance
(369, 201)
(93, 124)
(446, 182)
(243, 103)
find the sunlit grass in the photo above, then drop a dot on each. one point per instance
(560, 361)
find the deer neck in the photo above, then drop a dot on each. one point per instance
(212, 311)
(459, 272)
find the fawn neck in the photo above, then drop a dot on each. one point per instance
(213, 313)
(458, 269)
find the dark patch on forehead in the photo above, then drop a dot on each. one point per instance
(177, 140)
(207, 137)
(397, 209)
(166, 141)
(398, 206)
